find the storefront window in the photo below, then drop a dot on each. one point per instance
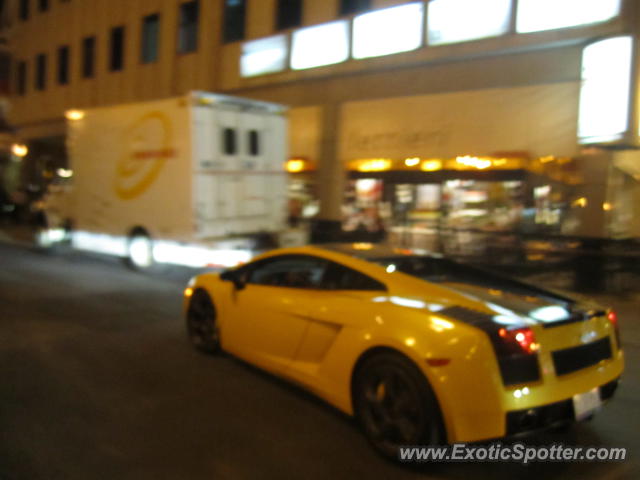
(364, 210)
(489, 206)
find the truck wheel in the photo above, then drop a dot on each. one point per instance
(140, 252)
(41, 239)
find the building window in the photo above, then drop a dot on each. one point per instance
(5, 73)
(234, 16)
(41, 72)
(43, 5)
(88, 57)
(403, 27)
(453, 21)
(150, 38)
(116, 57)
(354, 6)
(264, 55)
(605, 91)
(63, 65)
(188, 29)
(21, 80)
(539, 15)
(24, 10)
(289, 14)
(320, 45)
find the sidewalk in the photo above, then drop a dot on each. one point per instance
(17, 234)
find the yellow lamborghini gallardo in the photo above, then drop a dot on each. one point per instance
(421, 349)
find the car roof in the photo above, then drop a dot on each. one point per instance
(374, 251)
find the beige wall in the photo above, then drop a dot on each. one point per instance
(540, 120)
(306, 122)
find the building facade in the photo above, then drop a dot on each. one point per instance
(471, 114)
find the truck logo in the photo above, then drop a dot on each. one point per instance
(147, 149)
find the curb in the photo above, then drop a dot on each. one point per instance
(12, 240)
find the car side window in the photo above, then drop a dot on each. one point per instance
(292, 271)
(339, 277)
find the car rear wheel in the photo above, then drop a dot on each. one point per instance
(395, 404)
(202, 326)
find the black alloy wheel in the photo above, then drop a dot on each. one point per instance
(202, 326)
(395, 404)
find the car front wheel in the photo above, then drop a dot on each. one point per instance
(202, 325)
(395, 404)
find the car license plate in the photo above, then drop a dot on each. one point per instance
(584, 404)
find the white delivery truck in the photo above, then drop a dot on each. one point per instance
(197, 180)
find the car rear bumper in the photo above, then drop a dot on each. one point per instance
(532, 420)
(496, 410)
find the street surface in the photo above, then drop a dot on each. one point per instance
(97, 380)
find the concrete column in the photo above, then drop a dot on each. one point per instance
(589, 217)
(330, 177)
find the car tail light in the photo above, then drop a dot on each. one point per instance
(612, 316)
(517, 354)
(523, 338)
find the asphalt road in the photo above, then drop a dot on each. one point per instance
(97, 380)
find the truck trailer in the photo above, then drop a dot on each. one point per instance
(197, 180)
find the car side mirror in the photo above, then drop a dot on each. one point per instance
(232, 276)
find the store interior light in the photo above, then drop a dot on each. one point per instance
(390, 30)
(375, 165)
(74, 114)
(581, 202)
(474, 162)
(411, 162)
(295, 165)
(64, 173)
(19, 150)
(431, 165)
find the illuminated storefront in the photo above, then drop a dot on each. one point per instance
(457, 161)
(416, 199)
